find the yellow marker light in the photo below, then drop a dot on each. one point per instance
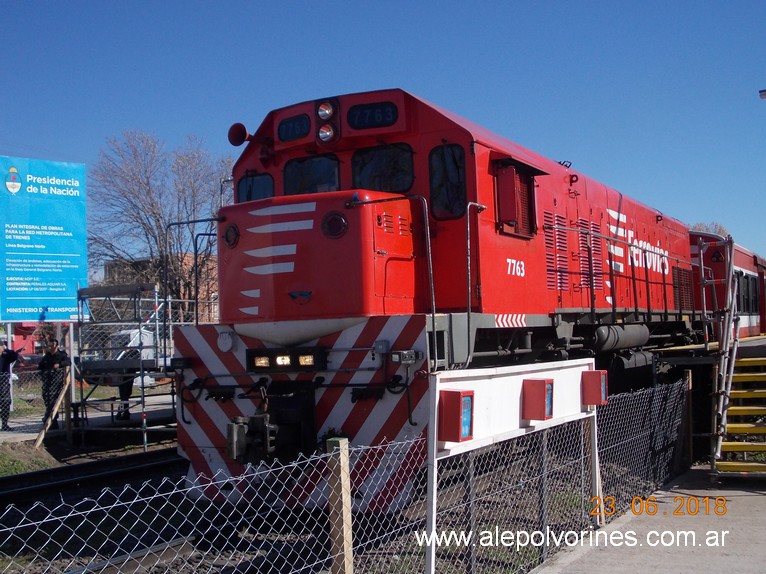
(294, 359)
(262, 362)
(306, 360)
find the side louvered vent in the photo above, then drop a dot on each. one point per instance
(550, 250)
(683, 294)
(387, 222)
(592, 272)
(405, 229)
(395, 224)
(556, 263)
(525, 185)
(598, 256)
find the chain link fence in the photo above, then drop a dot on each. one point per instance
(298, 517)
(114, 322)
(644, 440)
(534, 484)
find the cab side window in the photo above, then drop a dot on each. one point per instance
(447, 180)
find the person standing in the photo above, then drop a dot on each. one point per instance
(7, 358)
(52, 369)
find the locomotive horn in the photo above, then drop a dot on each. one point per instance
(238, 134)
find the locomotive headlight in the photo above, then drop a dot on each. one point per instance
(283, 360)
(326, 133)
(325, 110)
(231, 235)
(334, 225)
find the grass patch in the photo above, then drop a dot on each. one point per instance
(19, 457)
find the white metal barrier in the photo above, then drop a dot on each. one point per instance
(502, 400)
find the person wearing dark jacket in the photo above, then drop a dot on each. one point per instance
(7, 358)
(52, 369)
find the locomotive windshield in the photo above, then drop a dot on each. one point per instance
(387, 167)
(311, 175)
(383, 168)
(255, 186)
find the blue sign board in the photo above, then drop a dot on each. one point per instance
(43, 253)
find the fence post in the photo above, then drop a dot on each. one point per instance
(56, 407)
(339, 482)
(68, 413)
(542, 495)
(433, 472)
(470, 500)
(689, 459)
(595, 469)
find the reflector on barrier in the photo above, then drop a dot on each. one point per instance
(594, 388)
(537, 399)
(455, 415)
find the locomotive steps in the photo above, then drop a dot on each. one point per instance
(743, 451)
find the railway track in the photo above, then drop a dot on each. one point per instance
(72, 481)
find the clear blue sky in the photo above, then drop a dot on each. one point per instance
(658, 99)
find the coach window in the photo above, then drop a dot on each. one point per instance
(744, 296)
(751, 305)
(447, 178)
(515, 188)
(254, 186)
(747, 294)
(311, 175)
(383, 168)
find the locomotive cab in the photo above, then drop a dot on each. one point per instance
(346, 199)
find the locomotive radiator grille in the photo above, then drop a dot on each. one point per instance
(556, 260)
(683, 294)
(591, 268)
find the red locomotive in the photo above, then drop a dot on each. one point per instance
(375, 237)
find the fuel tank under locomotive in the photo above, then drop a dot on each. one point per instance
(628, 369)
